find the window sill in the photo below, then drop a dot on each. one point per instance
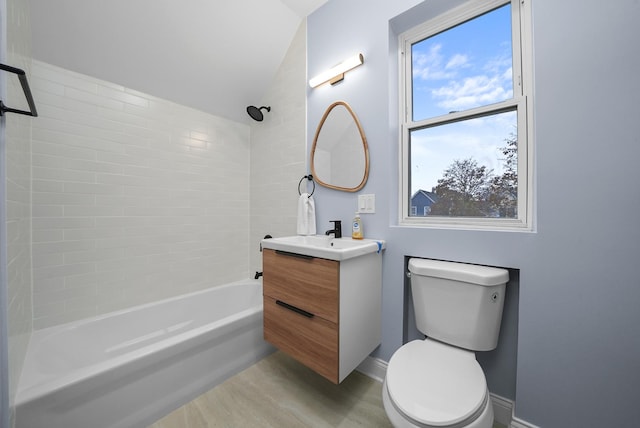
(493, 225)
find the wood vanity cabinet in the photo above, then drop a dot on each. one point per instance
(324, 313)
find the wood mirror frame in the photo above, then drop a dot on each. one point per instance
(341, 148)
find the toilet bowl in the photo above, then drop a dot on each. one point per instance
(431, 384)
(437, 382)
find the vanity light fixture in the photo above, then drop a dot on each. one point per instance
(336, 74)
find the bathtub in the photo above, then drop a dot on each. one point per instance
(131, 367)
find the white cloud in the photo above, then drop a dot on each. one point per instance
(508, 74)
(457, 89)
(431, 65)
(457, 61)
(471, 92)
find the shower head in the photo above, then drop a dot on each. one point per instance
(255, 112)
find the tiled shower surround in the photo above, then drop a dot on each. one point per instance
(17, 201)
(134, 198)
(116, 198)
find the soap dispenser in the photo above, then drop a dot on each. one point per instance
(356, 230)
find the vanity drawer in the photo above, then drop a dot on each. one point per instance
(313, 341)
(310, 284)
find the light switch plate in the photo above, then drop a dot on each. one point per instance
(367, 204)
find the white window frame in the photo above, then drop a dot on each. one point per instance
(522, 100)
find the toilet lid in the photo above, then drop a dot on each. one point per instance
(436, 384)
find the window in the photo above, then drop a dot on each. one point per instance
(465, 111)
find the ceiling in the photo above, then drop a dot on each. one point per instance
(218, 56)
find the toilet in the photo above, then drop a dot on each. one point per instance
(437, 382)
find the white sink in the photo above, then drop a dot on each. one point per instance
(325, 247)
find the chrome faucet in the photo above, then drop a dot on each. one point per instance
(337, 229)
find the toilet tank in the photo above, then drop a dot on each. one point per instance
(457, 303)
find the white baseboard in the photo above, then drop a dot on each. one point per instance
(519, 423)
(502, 409)
(376, 369)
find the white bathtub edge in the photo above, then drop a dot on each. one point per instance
(139, 387)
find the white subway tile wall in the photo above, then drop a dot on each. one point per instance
(134, 198)
(278, 151)
(17, 196)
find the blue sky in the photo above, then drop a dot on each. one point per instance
(465, 67)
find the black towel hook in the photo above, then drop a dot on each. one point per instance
(27, 93)
(310, 178)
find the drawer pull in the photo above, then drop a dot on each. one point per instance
(294, 309)
(290, 254)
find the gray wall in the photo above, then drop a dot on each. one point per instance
(578, 357)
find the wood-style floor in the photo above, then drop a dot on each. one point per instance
(279, 392)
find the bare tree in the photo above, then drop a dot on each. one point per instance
(503, 196)
(463, 190)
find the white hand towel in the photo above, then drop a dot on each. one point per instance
(306, 215)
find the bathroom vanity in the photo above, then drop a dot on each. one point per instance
(322, 300)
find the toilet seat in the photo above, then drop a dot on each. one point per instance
(437, 385)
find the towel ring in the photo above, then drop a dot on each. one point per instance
(310, 178)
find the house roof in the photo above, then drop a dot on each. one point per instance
(429, 195)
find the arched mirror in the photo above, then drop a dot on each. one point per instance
(340, 155)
